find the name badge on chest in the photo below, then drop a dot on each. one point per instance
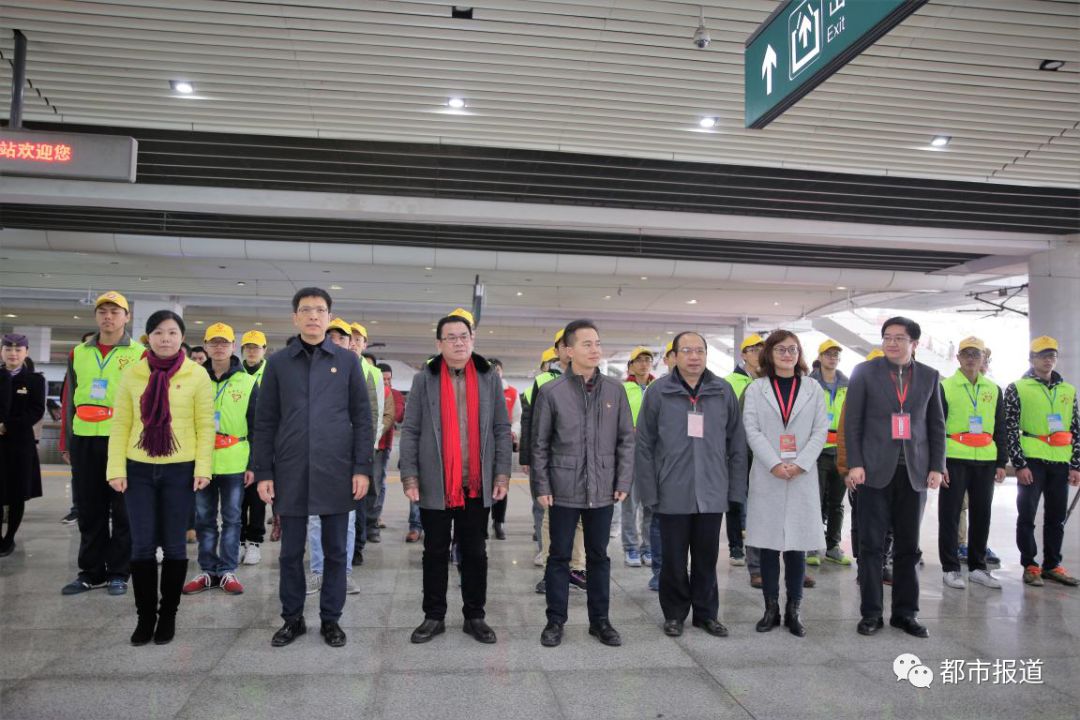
(975, 424)
(99, 388)
(1055, 422)
(217, 421)
(695, 424)
(901, 426)
(789, 449)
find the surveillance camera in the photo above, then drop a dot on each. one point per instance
(701, 37)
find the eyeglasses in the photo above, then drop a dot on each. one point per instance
(308, 310)
(692, 351)
(792, 350)
(218, 343)
(971, 354)
(895, 339)
(831, 354)
(455, 339)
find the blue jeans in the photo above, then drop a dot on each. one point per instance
(596, 523)
(219, 558)
(631, 538)
(159, 500)
(656, 545)
(414, 517)
(315, 542)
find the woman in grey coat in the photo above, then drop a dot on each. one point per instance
(786, 426)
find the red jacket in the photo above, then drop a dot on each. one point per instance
(387, 440)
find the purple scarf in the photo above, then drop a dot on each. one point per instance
(157, 437)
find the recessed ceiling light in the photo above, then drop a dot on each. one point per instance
(644, 277)
(691, 302)
(940, 140)
(670, 332)
(144, 279)
(258, 324)
(841, 287)
(707, 123)
(182, 87)
(11, 315)
(335, 287)
(456, 103)
(427, 268)
(776, 304)
(374, 322)
(198, 322)
(1051, 64)
(74, 317)
(241, 283)
(607, 297)
(519, 293)
(491, 332)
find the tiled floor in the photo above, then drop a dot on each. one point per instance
(69, 657)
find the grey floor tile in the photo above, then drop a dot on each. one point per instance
(250, 653)
(27, 651)
(311, 697)
(96, 698)
(492, 695)
(109, 653)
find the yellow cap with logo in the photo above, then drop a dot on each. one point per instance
(669, 348)
(253, 337)
(827, 346)
(112, 297)
(219, 330)
(463, 314)
(639, 351)
(751, 341)
(357, 328)
(875, 354)
(972, 342)
(559, 335)
(1044, 343)
(343, 327)
(549, 355)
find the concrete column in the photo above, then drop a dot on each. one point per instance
(1054, 301)
(141, 310)
(40, 342)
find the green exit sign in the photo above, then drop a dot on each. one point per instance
(805, 41)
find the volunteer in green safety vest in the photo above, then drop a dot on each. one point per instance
(834, 384)
(750, 350)
(253, 509)
(975, 458)
(253, 347)
(1043, 430)
(93, 374)
(235, 395)
(637, 549)
(554, 370)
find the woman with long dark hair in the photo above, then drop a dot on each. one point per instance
(160, 454)
(23, 406)
(786, 426)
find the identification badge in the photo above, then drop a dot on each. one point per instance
(901, 426)
(1055, 423)
(98, 389)
(217, 421)
(975, 425)
(695, 424)
(830, 419)
(788, 448)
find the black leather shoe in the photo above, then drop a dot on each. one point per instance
(606, 634)
(711, 626)
(673, 628)
(479, 630)
(771, 618)
(358, 558)
(427, 630)
(552, 634)
(870, 625)
(332, 634)
(289, 632)
(500, 531)
(911, 626)
(792, 621)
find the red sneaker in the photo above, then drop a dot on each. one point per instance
(199, 583)
(231, 585)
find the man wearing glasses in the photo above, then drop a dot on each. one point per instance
(1043, 429)
(455, 461)
(894, 431)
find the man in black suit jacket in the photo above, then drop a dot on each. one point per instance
(895, 438)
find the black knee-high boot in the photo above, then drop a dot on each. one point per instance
(173, 573)
(144, 584)
(14, 519)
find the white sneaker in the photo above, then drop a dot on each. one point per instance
(540, 560)
(350, 586)
(954, 579)
(240, 555)
(314, 583)
(253, 554)
(984, 577)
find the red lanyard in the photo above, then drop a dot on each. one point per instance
(902, 396)
(785, 410)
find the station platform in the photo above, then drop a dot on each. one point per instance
(69, 657)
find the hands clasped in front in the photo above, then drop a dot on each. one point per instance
(787, 471)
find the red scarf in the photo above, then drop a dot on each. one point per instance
(157, 437)
(451, 435)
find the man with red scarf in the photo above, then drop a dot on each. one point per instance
(455, 461)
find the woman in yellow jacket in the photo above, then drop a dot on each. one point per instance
(160, 454)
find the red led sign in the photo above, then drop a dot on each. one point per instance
(39, 152)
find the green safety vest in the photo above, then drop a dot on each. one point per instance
(739, 383)
(541, 379)
(1037, 402)
(258, 374)
(96, 380)
(231, 399)
(634, 393)
(965, 402)
(833, 407)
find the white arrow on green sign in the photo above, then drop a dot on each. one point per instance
(805, 41)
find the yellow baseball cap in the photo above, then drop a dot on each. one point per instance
(112, 297)
(972, 342)
(827, 346)
(549, 355)
(1044, 343)
(669, 348)
(356, 328)
(874, 354)
(343, 327)
(219, 330)
(559, 334)
(639, 351)
(253, 337)
(751, 341)
(463, 314)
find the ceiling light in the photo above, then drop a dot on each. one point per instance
(456, 103)
(258, 324)
(776, 304)
(74, 317)
(691, 302)
(519, 293)
(198, 322)
(427, 268)
(607, 297)
(373, 322)
(644, 277)
(491, 332)
(144, 279)
(670, 332)
(11, 315)
(1051, 64)
(182, 87)
(240, 283)
(841, 287)
(940, 141)
(707, 122)
(335, 287)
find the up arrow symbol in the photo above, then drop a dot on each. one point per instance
(804, 30)
(767, 67)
